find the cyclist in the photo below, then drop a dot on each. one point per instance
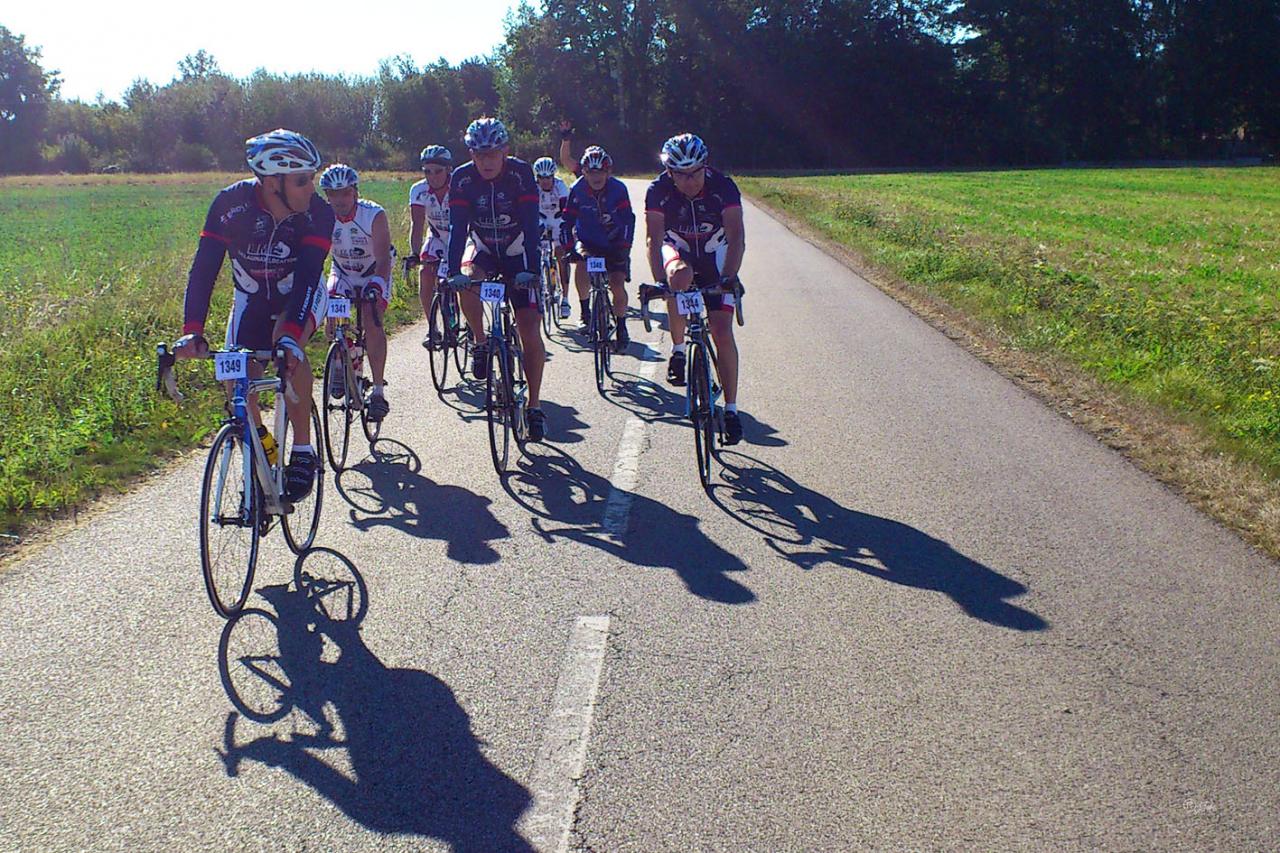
(552, 195)
(361, 257)
(693, 218)
(600, 216)
(277, 232)
(429, 205)
(494, 204)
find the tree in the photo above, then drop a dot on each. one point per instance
(26, 91)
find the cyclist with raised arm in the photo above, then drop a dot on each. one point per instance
(361, 257)
(277, 231)
(552, 196)
(429, 224)
(494, 203)
(599, 215)
(693, 219)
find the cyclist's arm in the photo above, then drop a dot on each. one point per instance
(382, 246)
(655, 226)
(205, 267)
(312, 251)
(531, 222)
(736, 236)
(567, 162)
(626, 217)
(417, 216)
(460, 225)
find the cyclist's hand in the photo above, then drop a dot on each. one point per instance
(566, 234)
(412, 261)
(293, 354)
(525, 280)
(459, 281)
(566, 129)
(191, 346)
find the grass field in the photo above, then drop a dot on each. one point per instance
(1163, 282)
(92, 276)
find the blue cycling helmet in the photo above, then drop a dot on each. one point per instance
(281, 152)
(486, 134)
(544, 167)
(339, 176)
(684, 152)
(596, 157)
(436, 154)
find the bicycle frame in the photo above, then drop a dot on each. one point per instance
(270, 477)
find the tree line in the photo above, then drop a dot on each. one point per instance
(772, 84)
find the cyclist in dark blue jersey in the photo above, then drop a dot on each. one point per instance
(493, 201)
(693, 216)
(599, 216)
(277, 232)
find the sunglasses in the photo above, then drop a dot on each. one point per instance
(301, 180)
(676, 173)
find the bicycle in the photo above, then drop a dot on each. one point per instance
(242, 492)
(701, 390)
(603, 324)
(344, 370)
(505, 388)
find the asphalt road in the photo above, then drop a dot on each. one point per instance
(917, 610)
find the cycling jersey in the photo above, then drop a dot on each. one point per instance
(276, 264)
(354, 262)
(601, 220)
(694, 225)
(551, 206)
(498, 217)
(435, 206)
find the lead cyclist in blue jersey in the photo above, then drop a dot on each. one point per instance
(693, 216)
(277, 232)
(493, 201)
(599, 216)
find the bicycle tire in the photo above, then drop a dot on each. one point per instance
(519, 389)
(601, 312)
(461, 341)
(306, 513)
(497, 404)
(549, 291)
(700, 412)
(227, 458)
(438, 353)
(337, 413)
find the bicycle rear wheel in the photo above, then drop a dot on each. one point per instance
(700, 412)
(300, 526)
(439, 352)
(498, 406)
(337, 411)
(230, 509)
(461, 340)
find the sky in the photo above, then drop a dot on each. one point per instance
(104, 47)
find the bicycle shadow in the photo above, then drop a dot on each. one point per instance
(553, 487)
(386, 490)
(810, 529)
(563, 424)
(398, 752)
(653, 402)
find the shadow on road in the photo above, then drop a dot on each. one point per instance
(554, 487)
(386, 490)
(654, 402)
(390, 747)
(810, 529)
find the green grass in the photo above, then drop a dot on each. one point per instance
(92, 276)
(1163, 281)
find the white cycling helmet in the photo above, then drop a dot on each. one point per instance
(339, 176)
(486, 134)
(436, 154)
(596, 157)
(281, 152)
(544, 167)
(684, 152)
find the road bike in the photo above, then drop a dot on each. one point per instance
(242, 490)
(602, 325)
(506, 389)
(550, 285)
(347, 379)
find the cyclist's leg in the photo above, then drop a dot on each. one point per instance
(721, 322)
(582, 281)
(679, 277)
(476, 265)
(562, 260)
(429, 273)
(529, 326)
(375, 336)
(299, 410)
(619, 266)
(249, 325)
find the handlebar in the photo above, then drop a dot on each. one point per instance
(166, 359)
(649, 292)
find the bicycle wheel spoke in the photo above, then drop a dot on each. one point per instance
(229, 515)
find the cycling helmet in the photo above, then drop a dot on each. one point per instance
(486, 134)
(436, 154)
(339, 176)
(281, 152)
(596, 157)
(684, 152)
(544, 167)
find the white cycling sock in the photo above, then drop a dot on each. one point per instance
(677, 348)
(304, 448)
(731, 407)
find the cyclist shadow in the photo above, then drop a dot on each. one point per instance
(563, 424)
(810, 529)
(386, 490)
(553, 487)
(467, 399)
(399, 753)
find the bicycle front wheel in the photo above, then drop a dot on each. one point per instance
(549, 304)
(337, 410)
(700, 411)
(230, 509)
(439, 351)
(498, 406)
(301, 524)
(601, 317)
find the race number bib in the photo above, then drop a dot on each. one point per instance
(230, 365)
(493, 291)
(689, 303)
(339, 308)
(595, 265)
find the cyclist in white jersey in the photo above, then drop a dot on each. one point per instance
(553, 193)
(361, 255)
(429, 225)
